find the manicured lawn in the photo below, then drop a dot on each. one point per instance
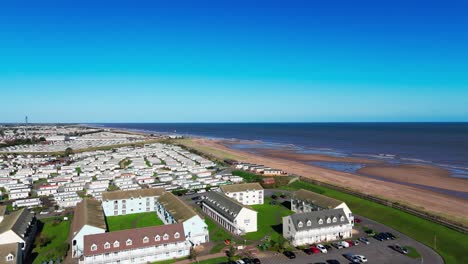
(58, 233)
(412, 252)
(269, 220)
(122, 222)
(214, 261)
(247, 176)
(450, 244)
(169, 261)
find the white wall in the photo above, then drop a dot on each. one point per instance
(196, 230)
(85, 230)
(133, 206)
(247, 220)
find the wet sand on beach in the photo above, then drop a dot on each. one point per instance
(434, 202)
(418, 174)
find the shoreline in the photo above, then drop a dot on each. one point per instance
(435, 203)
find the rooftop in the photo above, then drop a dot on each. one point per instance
(88, 212)
(225, 206)
(120, 195)
(177, 208)
(317, 199)
(311, 220)
(241, 187)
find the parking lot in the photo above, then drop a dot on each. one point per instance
(375, 252)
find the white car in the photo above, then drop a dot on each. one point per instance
(240, 261)
(359, 258)
(321, 248)
(343, 244)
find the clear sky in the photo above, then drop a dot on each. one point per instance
(231, 61)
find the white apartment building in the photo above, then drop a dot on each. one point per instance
(229, 213)
(130, 202)
(141, 245)
(316, 227)
(246, 193)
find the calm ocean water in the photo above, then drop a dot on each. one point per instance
(443, 144)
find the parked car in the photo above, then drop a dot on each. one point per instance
(332, 261)
(247, 261)
(357, 220)
(356, 242)
(350, 242)
(364, 240)
(400, 249)
(256, 261)
(379, 237)
(240, 261)
(390, 235)
(314, 250)
(308, 251)
(290, 254)
(344, 244)
(359, 258)
(322, 248)
(328, 247)
(337, 245)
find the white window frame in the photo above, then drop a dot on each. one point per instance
(129, 242)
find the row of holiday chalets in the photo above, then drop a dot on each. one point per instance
(28, 181)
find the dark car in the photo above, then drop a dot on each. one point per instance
(328, 247)
(390, 235)
(247, 261)
(256, 261)
(290, 254)
(379, 237)
(308, 251)
(333, 261)
(400, 249)
(196, 198)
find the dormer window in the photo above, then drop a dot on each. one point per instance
(145, 239)
(309, 223)
(342, 219)
(93, 247)
(165, 237)
(10, 257)
(116, 244)
(157, 238)
(299, 224)
(107, 245)
(176, 235)
(334, 219)
(320, 221)
(328, 220)
(129, 242)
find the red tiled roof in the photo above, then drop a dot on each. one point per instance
(136, 235)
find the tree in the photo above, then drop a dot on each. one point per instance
(194, 254)
(231, 252)
(68, 151)
(42, 139)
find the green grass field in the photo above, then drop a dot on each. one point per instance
(214, 261)
(269, 219)
(122, 222)
(412, 252)
(55, 249)
(450, 244)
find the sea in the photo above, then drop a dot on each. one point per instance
(439, 144)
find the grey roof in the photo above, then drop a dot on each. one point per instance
(317, 199)
(254, 186)
(225, 206)
(312, 218)
(17, 221)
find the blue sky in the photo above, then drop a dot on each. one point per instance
(233, 61)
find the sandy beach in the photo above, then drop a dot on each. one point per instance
(436, 203)
(419, 174)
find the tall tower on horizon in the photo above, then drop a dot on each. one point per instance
(26, 126)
